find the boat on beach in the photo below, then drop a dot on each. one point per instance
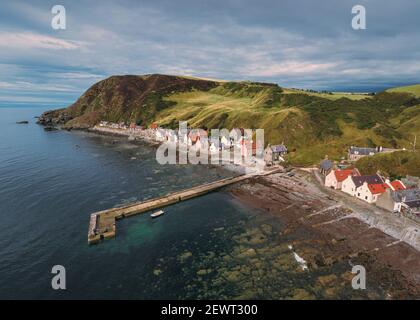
(157, 214)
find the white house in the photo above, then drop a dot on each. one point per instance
(370, 192)
(160, 135)
(352, 183)
(214, 148)
(171, 136)
(225, 142)
(248, 148)
(336, 177)
(184, 139)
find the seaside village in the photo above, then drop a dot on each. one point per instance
(198, 139)
(400, 197)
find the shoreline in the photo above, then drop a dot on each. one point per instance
(324, 231)
(147, 136)
(337, 232)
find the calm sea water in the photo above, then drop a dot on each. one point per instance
(208, 247)
(50, 182)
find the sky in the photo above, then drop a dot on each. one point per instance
(301, 43)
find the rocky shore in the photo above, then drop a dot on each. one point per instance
(54, 118)
(326, 232)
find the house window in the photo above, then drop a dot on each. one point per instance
(366, 198)
(358, 194)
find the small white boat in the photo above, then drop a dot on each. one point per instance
(157, 214)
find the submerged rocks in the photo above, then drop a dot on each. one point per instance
(50, 128)
(184, 256)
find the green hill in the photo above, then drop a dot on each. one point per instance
(395, 165)
(414, 90)
(313, 124)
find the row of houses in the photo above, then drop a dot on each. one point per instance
(198, 139)
(393, 196)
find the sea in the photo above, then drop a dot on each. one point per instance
(211, 247)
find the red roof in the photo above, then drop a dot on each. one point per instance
(378, 188)
(341, 175)
(397, 185)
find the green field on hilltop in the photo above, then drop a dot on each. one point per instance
(331, 95)
(395, 165)
(414, 89)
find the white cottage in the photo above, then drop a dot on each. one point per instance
(352, 183)
(336, 177)
(370, 192)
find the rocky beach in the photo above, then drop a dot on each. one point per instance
(325, 232)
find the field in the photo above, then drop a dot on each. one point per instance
(414, 89)
(396, 164)
(332, 95)
(312, 126)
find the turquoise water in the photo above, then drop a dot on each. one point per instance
(50, 182)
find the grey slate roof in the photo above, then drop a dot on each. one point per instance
(362, 151)
(409, 195)
(326, 164)
(280, 148)
(373, 179)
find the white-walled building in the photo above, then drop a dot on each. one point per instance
(352, 183)
(336, 177)
(370, 192)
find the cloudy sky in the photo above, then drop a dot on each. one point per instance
(295, 43)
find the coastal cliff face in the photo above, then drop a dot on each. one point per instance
(123, 98)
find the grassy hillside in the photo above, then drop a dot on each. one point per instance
(313, 125)
(310, 123)
(414, 90)
(129, 98)
(331, 95)
(395, 165)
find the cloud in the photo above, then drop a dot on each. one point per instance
(299, 43)
(287, 68)
(28, 40)
(35, 87)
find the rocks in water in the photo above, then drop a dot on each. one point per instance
(157, 272)
(203, 272)
(22, 122)
(50, 128)
(184, 256)
(54, 118)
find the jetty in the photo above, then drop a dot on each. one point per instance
(102, 223)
